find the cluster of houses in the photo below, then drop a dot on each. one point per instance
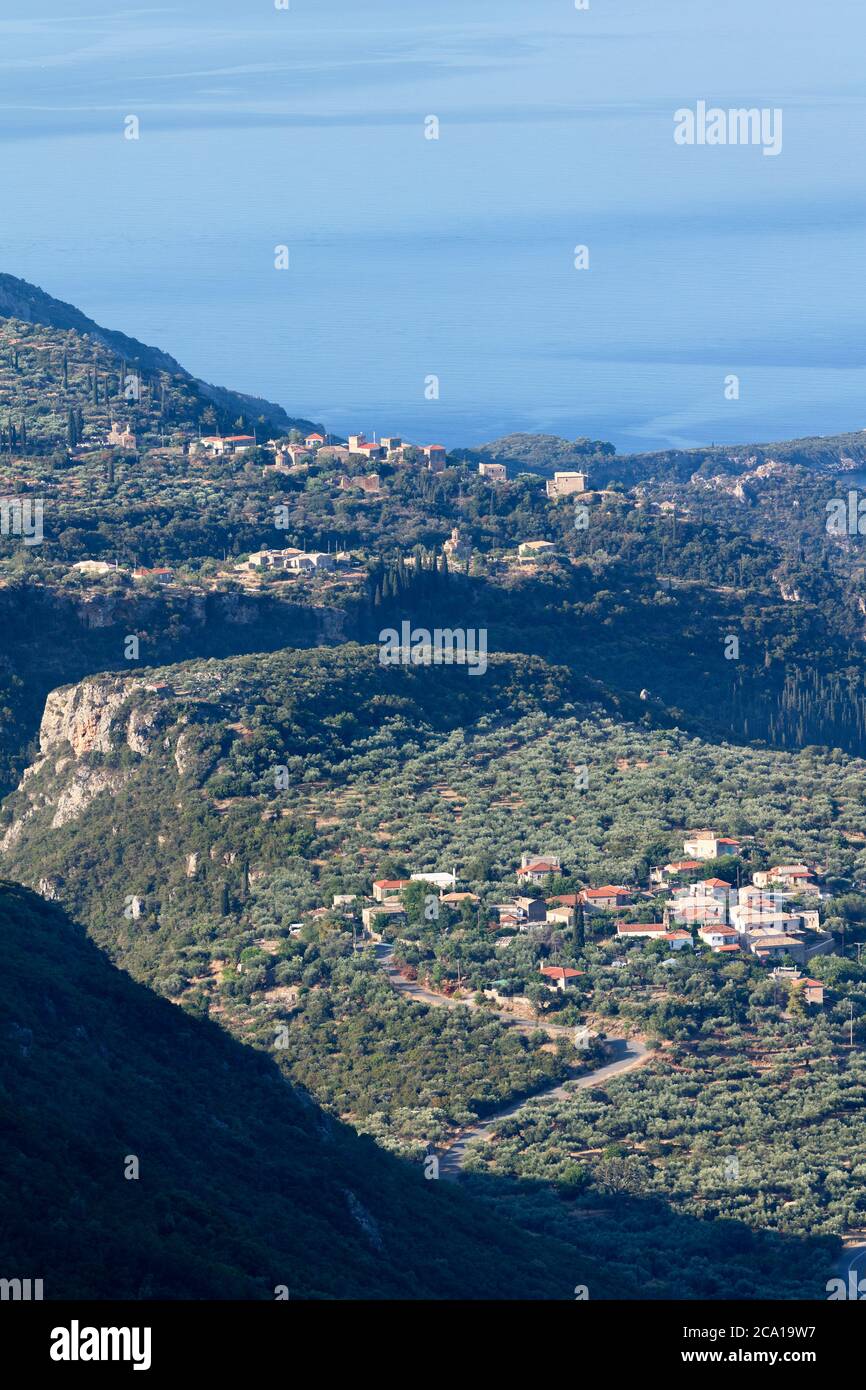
(219, 445)
(761, 919)
(298, 561)
(775, 917)
(386, 449)
(387, 898)
(766, 918)
(95, 569)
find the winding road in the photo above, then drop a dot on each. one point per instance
(628, 1054)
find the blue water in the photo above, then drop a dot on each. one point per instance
(454, 257)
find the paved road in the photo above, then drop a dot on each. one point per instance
(384, 952)
(627, 1053)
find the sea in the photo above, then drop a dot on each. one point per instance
(455, 219)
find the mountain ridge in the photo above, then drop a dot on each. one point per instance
(30, 304)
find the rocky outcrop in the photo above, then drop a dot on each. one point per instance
(85, 717)
(86, 784)
(96, 716)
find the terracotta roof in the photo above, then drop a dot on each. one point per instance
(560, 972)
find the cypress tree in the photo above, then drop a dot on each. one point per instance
(579, 928)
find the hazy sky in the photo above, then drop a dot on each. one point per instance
(409, 257)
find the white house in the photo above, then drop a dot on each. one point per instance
(678, 940)
(385, 889)
(443, 881)
(747, 917)
(560, 976)
(654, 931)
(705, 844)
(793, 876)
(719, 937)
(697, 912)
(535, 873)
(553, 860)
(218, 444)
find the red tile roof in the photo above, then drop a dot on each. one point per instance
(561, 972)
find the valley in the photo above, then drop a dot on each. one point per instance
(581, 921)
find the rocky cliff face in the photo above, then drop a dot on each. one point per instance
(84, 716)
(94, 716)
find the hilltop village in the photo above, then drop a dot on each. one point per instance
(344, 462)
(775, 920)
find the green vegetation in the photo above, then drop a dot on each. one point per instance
(64, 379)
(243, 1185)
(199, 804)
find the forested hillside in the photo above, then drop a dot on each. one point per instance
(64, 380)
(209, 765)
(241, 1186)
